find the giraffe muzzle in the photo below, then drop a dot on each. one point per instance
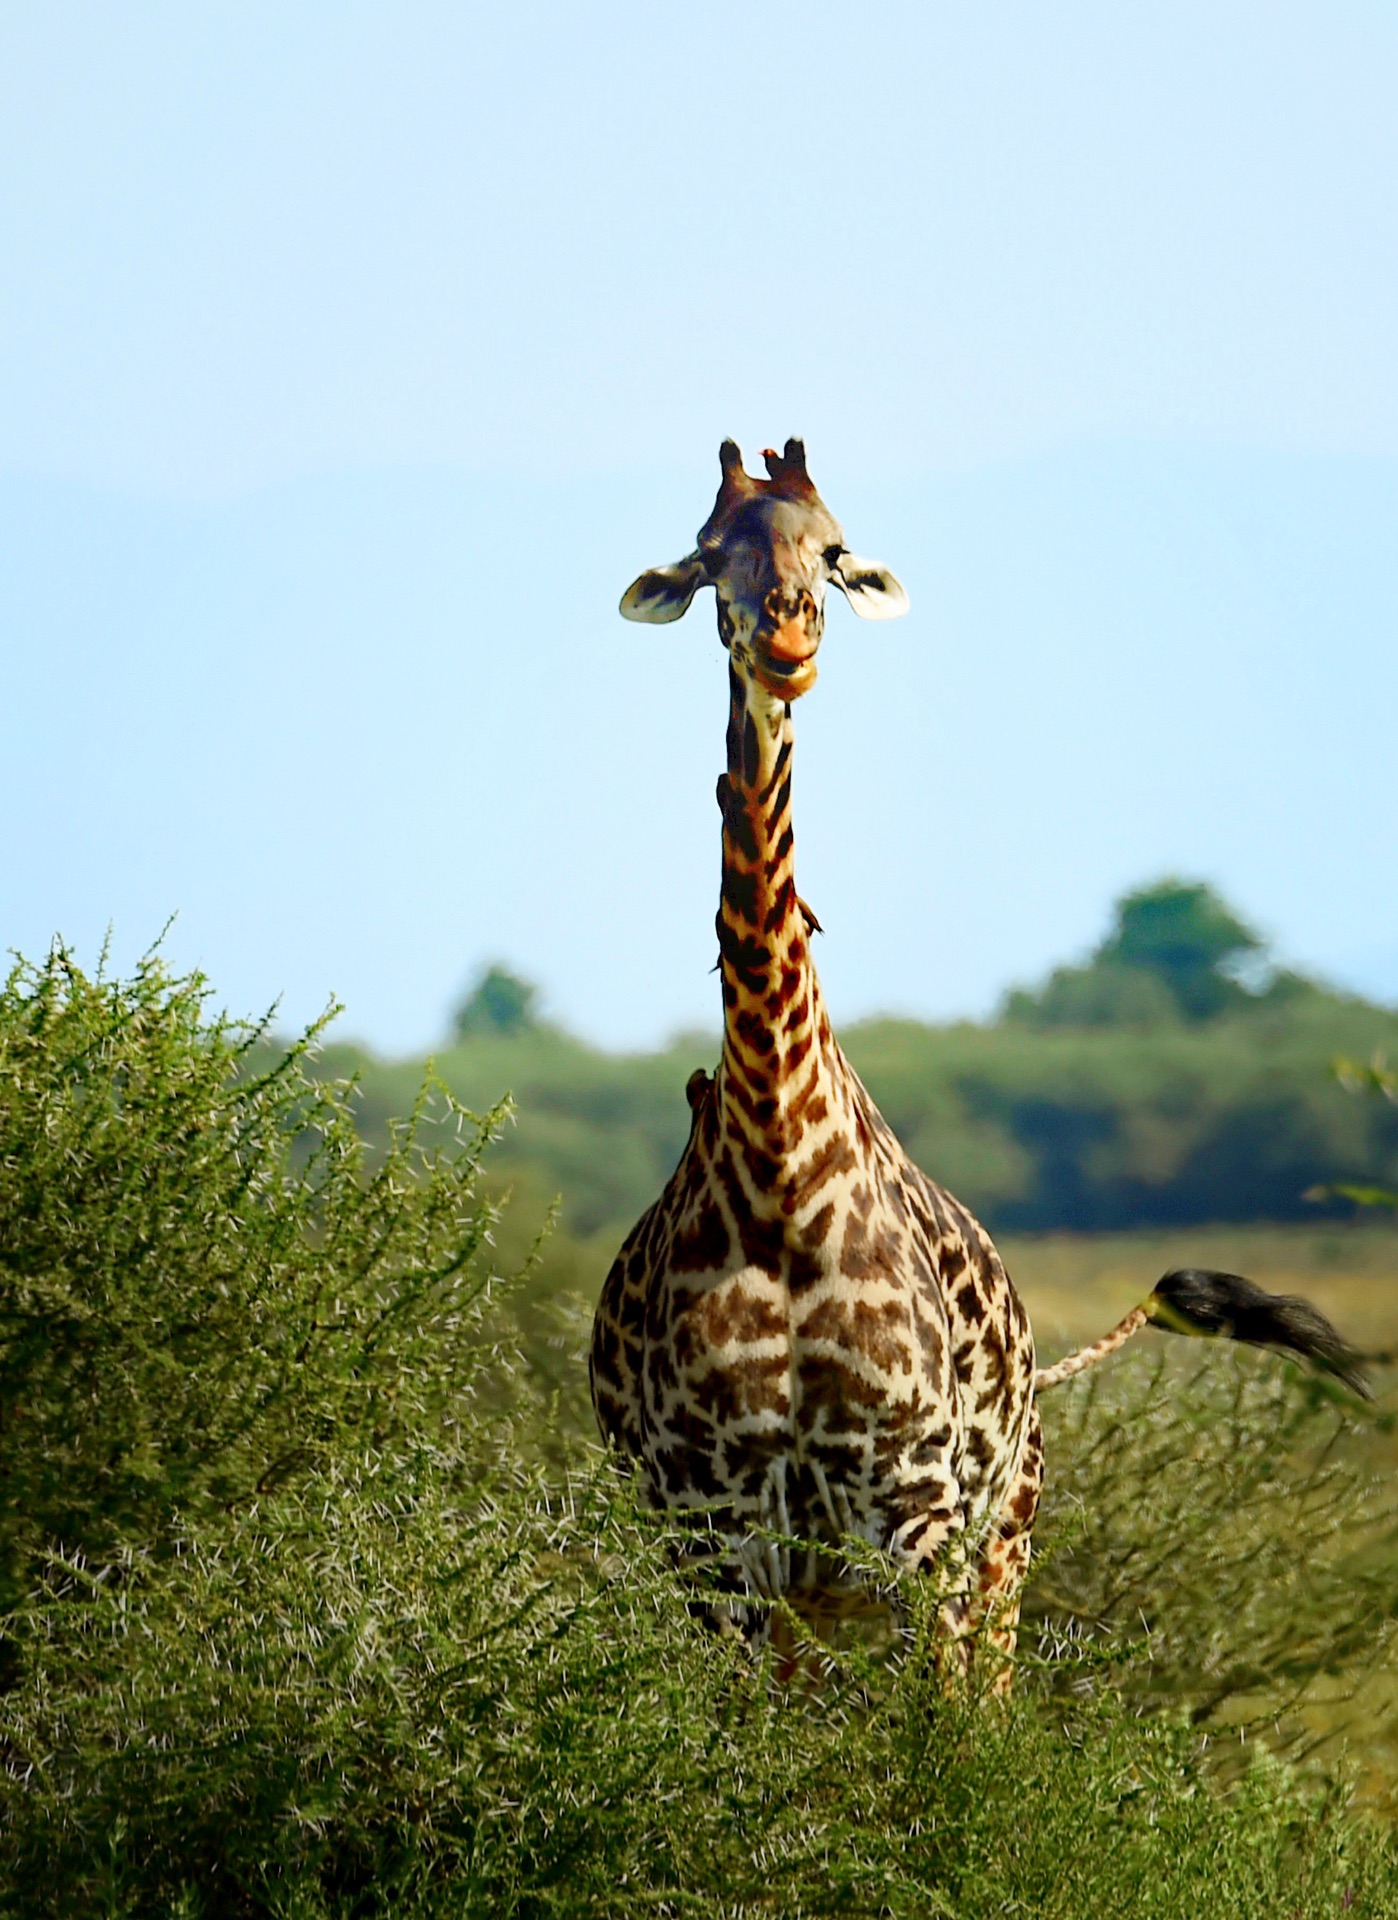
(791, 643)
(787, 679)
(785, 657)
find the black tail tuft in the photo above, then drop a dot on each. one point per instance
(1195, 1300)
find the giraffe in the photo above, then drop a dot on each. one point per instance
(805, 1337)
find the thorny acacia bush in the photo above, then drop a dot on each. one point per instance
(200, 1295)
(295, 1628)
(1221, 1534)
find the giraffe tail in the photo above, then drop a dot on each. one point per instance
(1194, 1300)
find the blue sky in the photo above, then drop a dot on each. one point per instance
(354, 358)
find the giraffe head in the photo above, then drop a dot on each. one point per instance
(768, 549)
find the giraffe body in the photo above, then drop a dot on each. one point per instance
(841, 1353)
(804, 1335)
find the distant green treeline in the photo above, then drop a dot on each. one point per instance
(1174, 1079)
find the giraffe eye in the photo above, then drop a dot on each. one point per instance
(832, 557)
(711, 560)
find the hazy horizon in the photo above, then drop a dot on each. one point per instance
(353, 364)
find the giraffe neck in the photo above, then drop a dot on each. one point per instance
(782, 1072)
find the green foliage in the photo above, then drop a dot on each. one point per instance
(1361, 1196)
(1097, 995)
(1173, 1125)
(1175, 951)
(1371, 1076)
(1149, 1088)
(500, 1002)
(1259, 1574)
(605, 1130)
(303, 1623)
(1177, 1125)
(355, 1702)
(200, 1295)
(1187, 937)
(1368, 1076)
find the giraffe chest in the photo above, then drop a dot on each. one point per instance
(858, 1364)
(807, 1384)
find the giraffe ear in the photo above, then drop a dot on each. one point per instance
(663, 593)
(870, 589)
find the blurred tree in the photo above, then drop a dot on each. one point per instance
(499, 1003)
(1176, 950)
(1186, 936)
(1096, 995)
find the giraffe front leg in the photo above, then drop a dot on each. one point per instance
(933, 1544)
(1004, 1561)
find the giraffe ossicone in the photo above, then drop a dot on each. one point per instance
(805, 1337)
